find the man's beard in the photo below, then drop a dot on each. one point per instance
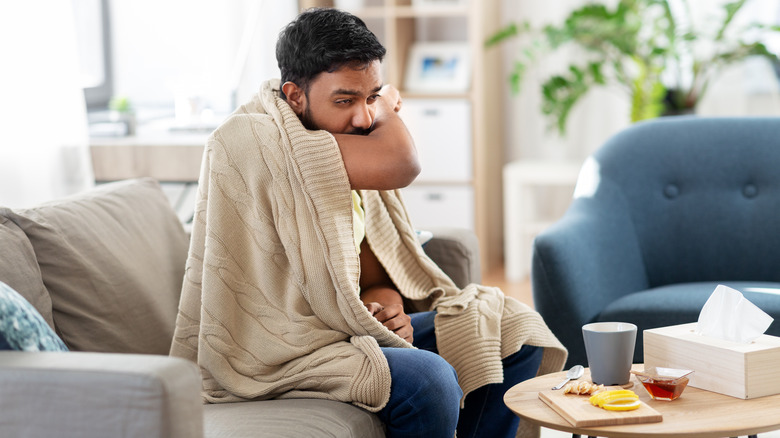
(308, 123)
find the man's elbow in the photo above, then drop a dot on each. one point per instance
(410, 172)
(391, 177)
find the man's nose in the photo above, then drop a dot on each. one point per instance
(363, 117)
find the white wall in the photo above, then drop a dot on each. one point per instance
(743, 90)
(599, 115)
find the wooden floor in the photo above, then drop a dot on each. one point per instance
(519, 290)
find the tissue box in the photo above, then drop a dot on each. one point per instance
(738, 370)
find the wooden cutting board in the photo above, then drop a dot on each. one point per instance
(578, 411)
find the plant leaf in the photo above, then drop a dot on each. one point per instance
(502, 34)
(731, 10)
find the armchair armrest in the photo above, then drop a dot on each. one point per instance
(99, 395)
(456, 252)
(582, 263)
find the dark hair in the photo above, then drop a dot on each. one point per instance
(321, 40)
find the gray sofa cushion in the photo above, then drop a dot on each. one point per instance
(19, 269)
(113, 261)
(290, 418)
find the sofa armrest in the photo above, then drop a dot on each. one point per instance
(99, 395)
(456, 252)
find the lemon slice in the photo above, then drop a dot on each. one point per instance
(616, 400)
(630, 406)
(601, 397)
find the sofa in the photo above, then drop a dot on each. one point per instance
(104, 269)
(662, 213)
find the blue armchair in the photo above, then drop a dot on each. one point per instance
(663, 212)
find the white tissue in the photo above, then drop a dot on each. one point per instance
(728, 315)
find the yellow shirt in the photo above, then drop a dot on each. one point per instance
(358, 220)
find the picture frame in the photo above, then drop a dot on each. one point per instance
(438, 67)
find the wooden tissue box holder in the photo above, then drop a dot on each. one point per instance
(738, 370)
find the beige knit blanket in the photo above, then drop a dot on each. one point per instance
(270, 305)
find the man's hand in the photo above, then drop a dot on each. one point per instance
(380, 295)
(392, 97)
(374, 308)
(394, 318)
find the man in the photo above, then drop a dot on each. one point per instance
(305, 278)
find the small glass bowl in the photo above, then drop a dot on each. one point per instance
(663, 383)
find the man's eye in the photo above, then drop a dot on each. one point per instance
(372, 99)
(343, 101)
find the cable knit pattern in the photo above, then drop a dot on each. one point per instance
(270, 305)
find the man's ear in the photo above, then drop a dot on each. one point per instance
(296, 98)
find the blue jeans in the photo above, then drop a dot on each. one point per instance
(425, 396)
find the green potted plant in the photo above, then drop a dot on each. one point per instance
(647, 48)
(121, 110)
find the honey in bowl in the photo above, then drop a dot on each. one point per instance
(663, 383)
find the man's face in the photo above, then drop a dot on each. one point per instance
(344, 101)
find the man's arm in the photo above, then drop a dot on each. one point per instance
(380, 296)
(386, 158)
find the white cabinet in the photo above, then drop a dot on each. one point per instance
(441, 129)
(442, 195)
(440, 206)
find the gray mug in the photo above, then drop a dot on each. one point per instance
(610, 350)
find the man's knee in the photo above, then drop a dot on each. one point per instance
(424, 396)
(438, 376)
(423, 372)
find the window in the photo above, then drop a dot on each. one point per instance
(94, 45)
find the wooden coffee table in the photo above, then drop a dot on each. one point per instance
(696, 414)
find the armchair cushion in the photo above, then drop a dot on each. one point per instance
(22, 327)
(680, 303)
(111, 259)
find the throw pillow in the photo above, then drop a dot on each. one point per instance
(22, 327)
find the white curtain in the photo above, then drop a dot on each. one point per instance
(44, 150)
(206, 49)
